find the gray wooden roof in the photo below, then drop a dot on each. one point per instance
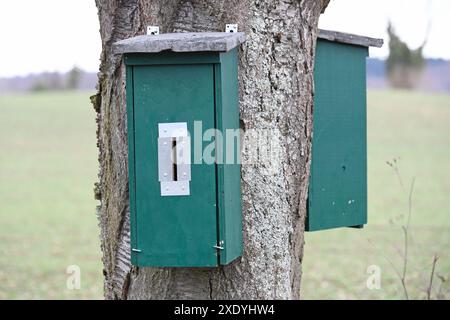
(350, 38)
(217, 41)
(181, 42)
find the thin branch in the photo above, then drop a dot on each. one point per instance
(411, 190)
(394, 166)
(433, 268)
(405, 232)
(440, 295)
(386, 258)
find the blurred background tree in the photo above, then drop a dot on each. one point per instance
(404, 66)
(74, 78)
(47, 81)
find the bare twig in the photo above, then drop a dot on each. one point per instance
(403, 275)
(440, 295)
(411, 190)
(405, 233)
(394, 166)
(433, 268)
(386, 258)
(405, 227)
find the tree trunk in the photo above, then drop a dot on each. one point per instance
(276, 93)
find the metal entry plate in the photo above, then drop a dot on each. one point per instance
(174, 168)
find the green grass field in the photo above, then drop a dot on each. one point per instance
(48, 165)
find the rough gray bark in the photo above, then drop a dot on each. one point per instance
(276, 92)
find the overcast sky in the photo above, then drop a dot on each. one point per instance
(55, 35)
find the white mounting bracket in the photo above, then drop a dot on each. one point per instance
(153, 30)
(231, 28)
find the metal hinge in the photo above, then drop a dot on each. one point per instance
(220, 246)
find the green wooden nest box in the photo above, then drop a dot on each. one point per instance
(183, 212)
(187, 213)
(338, 181)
